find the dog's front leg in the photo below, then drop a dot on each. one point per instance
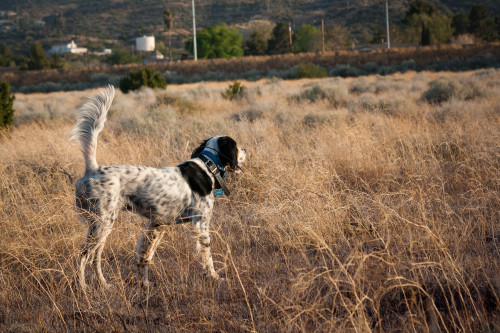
(202, 236)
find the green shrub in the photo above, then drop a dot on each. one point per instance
(6, 103)
(144, 77)
(310, 70)
(443, 90)
(234, 91)
(337, 95)
(361, 86)
(315, 120)
(345, 71)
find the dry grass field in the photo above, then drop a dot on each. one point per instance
(367, 204)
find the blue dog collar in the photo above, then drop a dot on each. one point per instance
(216, 161)
(215, 167)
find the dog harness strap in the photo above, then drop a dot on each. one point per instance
(215, 170)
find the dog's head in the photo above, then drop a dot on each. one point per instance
(226, 150)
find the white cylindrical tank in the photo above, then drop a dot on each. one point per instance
(145, 43)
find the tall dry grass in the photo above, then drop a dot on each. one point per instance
(363, 207)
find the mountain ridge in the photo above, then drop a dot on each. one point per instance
(124, 20)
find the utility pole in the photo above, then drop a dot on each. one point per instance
(195, 54)
(323, 32)
(290, 34)
(387, 23)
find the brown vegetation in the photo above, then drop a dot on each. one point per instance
(421, 55)
(363, 207)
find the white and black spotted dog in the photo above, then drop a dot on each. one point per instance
(178, 194)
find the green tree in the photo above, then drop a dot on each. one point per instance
(144, 77)
(120, 57)
(6, 106)
(37, 59)
(307, 38)
(423, 14)
(257, 42)
(280, 40)
(419, 7)
(426, 35)
(6, 56)
(481, 24)
(460, 24)
(216, 42)
(56, 61)
(169, 20)
(60, 24)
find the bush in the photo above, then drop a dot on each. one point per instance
(345, 71)
(443, 90)
(234, 91)
(361, 86)
(144, 77)
(315, 120)
(6, 103)
(119, 57)
(310, 70)
(338, 96)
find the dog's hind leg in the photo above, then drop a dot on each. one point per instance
(106, 230)
(146, 248)
(99, 229)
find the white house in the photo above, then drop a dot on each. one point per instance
(104, 52)
(67, 48)
(39, 23)
(145, 43)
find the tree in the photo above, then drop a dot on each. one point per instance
(216, 42)
(169, 20)
(460, 24)
(307, 39)
(37, 59)
(426, 36)
(120, 57)
(481, 24)
(6, 103)
(420, 7)
(257, 42)
(60, 24)
(279, 42)
(144, 77)
(337, 38)
(423, 14)
(6, 56)
(56, 61)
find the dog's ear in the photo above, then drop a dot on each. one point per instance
(198, 150)
(229, 152)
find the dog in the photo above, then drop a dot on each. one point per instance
(170, 195)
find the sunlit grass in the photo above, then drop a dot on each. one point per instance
(379, 213)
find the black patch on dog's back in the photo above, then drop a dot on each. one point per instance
(197, 178)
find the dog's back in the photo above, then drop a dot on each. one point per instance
(145, 190)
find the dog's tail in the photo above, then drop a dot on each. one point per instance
(89, 122)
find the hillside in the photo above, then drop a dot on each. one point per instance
(124, 20)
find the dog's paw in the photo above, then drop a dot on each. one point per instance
(145, 283)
